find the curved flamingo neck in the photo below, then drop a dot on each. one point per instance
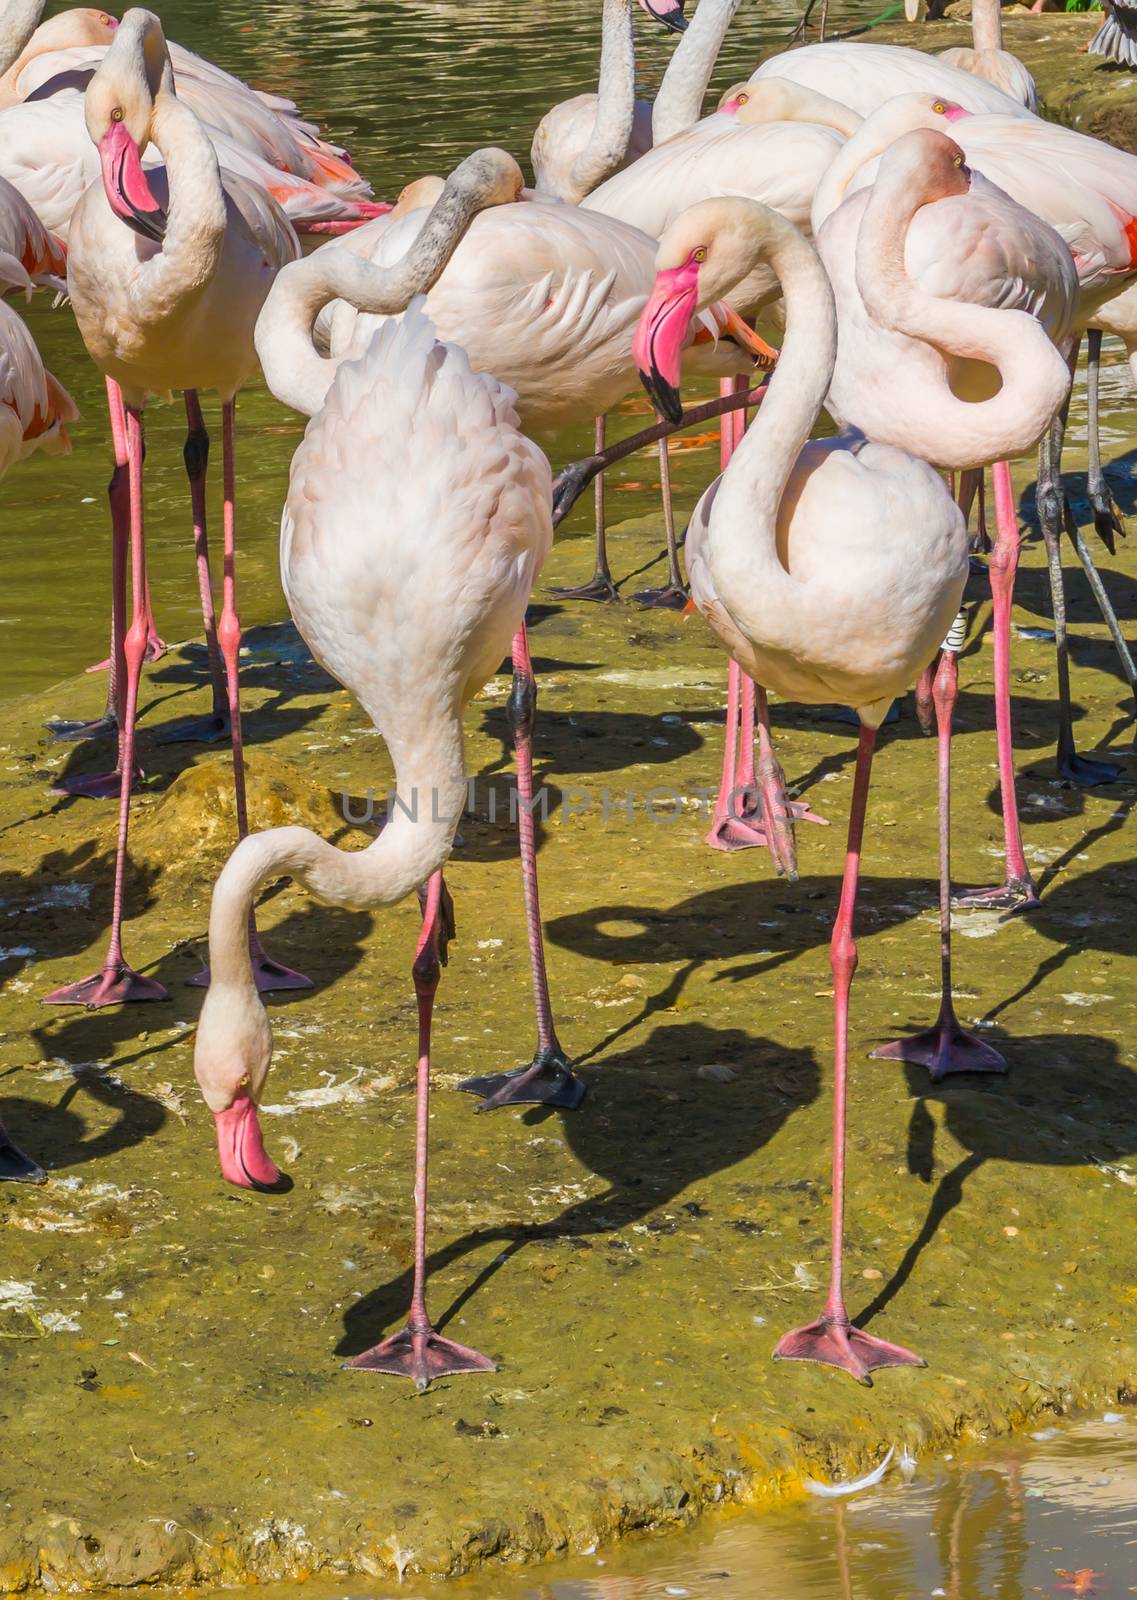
(679, 102)
(18, 22)
(870, 140)
(615, 103)
(293, 368)
(744, 517)
(196, 210)
(1033, 375)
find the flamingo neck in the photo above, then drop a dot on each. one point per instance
(986, 24)
(615, 104)
(744, 556)
(18, 22)
(863, 146)
(196, 210)
(679, 102)
(293, 368)
(1033, 374)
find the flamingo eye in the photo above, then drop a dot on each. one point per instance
(743, 99)
(957, 161)
(939, 108)
(700, 254)
(117, 114)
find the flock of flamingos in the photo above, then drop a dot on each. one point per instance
(923, 254)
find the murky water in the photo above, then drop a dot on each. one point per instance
(1052, 1515)
(409, 89)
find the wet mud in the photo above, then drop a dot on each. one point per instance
(174, 1408)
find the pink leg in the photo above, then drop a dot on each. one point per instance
(775, 810)
(925, 704)
(1018, 891)
(548, 1080)
(832, 1339)
(600, 585)
(944, 1048)
(215, 725)
(15, 1166)
(416, 1351)
(268, 974)
(117, 983)
(155, 646)
(105, 786)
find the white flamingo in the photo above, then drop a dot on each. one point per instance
(985, 57)
(418, 516)
(864, 75)
(167, 272)
(829, 570)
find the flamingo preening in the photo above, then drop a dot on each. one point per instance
(830, 570)
(418, 516)
(167, 272)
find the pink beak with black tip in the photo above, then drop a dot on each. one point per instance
(244, 1161)
(130, 195)
(669, 12)
(662, 332)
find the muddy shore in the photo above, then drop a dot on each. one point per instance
(172, 1406)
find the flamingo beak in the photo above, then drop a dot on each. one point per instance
(127, 188)
(669, 12)
(732, 326)
(244, 1161)
(661, 335)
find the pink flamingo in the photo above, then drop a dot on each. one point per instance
(965, 300)
(167, 272)
(830, 570)
(418, 516)
(34, 412)
(985, 56)
(1087, 192)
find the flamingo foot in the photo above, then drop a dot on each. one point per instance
(1085, 773)
(548, 1080)
(671, 597)
(156, 648)
(599, 587)
(210, 729)
(65, 732)
(834, 1342)
(1017, 894)
(944, 1049)
(1109, 524)
(268, 975)
(91, 786)
(16, 1167)
(244, 1161)
(734, 833)
(421, 1355)
(116, 985)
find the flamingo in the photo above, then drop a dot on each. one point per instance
(864, 75)
(546, 297)
(1087, 192)
(964, 300)
(34, 412)
(30, 255)
(1116, 39)
(985, 57)
(829, 570)
(167, 273)
(417, 519)
(77, 27)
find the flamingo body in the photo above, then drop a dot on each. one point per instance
(864, 75)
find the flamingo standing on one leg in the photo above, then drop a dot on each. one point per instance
(953, 301)
(417, 519)
(829, 570)
(167, 274)
(34, 412)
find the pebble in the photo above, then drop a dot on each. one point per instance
(873, 1274)
(716, 1072)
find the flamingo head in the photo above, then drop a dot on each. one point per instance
(734, 98)
(232, 1055)
(933, 159)
(706, 251)
(119, 110)
(669, 12)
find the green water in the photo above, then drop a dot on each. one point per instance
(409, 88)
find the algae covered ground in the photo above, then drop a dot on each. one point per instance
(174, 1407)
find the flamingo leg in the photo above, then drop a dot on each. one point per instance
(15, 1166)
(945, 1048)
(548, 1079)
(267, 973)
(417, 1351)
(215, 726)
(1108, 520)
(673, 595)
(600, 586)
(106, 785)
(1017, 891)
(1072, 767)
(117, 983)
(832, 1339)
